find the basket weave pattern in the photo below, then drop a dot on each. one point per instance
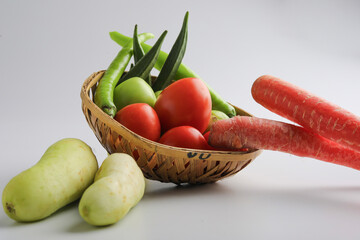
(158, 161)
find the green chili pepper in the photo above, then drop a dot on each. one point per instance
(174, 59)
(183, 72)
(105, 90)
(143, 67)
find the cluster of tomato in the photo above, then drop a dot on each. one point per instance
(178, 117)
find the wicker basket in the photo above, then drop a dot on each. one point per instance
(157, 161)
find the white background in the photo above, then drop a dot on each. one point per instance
(48, 48)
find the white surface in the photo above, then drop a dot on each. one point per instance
(48, 48)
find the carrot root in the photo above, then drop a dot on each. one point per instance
(258, 133)
(308, 110)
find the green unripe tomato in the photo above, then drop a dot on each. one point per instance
(216, 116)
(133, 90)
(157, 93)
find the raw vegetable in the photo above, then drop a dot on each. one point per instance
(157, 93)
(183, 72)
(60, 177)
(216, 116)
(186, 102)
(139, 52)
(308, 110)
(207, 135)
(119, 185)
(105, 90)
(144, 66)
(133, 90)
(174, 59)
(141, 119)
(185, 137)
(257, 133)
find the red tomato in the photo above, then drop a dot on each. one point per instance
(186, 102)
(141, 119)
(185, 137)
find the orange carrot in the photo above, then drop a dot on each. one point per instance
(308, 110)
(258, 133)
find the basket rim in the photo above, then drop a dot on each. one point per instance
(90, 84)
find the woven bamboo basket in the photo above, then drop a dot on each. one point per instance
(157, 161)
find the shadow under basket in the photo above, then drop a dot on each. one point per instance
(158, 161)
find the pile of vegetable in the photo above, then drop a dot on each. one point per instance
(176, 108)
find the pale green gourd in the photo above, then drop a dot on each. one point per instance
(119, 185)
(60, 177)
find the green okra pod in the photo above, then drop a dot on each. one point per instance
(138, 51)
(173, 61)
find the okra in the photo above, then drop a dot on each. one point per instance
(138, 51)
(173, 61)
